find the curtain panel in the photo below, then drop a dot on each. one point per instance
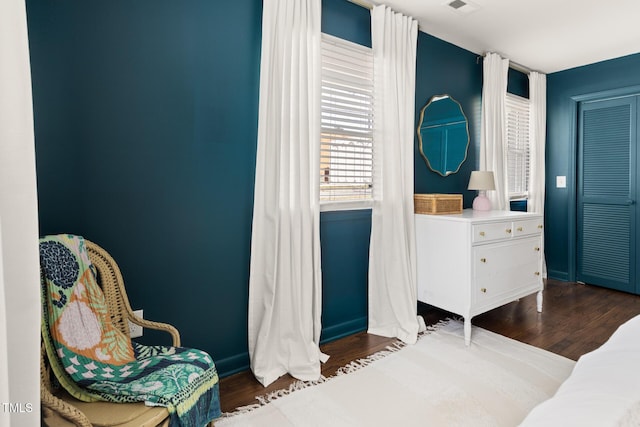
(493, 127)
(285, 278)
(392, 256)
(537, 138)
(538, 129)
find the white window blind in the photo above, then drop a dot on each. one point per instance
(518, 147)
(346, 155)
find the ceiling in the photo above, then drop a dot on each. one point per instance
(541, 35)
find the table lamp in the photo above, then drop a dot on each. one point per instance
(481, 181)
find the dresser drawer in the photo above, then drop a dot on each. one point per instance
(527, 227)
(491, 293)
(491, 231)
(503, 268)
(490, 260)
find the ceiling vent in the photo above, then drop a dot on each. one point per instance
(461, 6)
(457, 4)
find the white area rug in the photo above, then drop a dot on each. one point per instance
(438, 381)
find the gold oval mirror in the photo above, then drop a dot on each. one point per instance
(443, 134)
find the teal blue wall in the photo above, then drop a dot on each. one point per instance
(146, 122)
(518, 83)
(562, 89)
(443, 68)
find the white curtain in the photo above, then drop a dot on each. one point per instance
(285, 278)
(493, 128)
(392, 256)
(538, 130)
(19, 278)
(4, 348)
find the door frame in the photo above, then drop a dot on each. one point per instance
(572, 210)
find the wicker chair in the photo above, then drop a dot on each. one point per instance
(61, 409)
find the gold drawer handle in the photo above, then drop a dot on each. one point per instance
(482, 233)
(508, 230)
(483, 290)
(540, 226)
(537, 249)
(537, 273)
(519, 228)
(483, 260)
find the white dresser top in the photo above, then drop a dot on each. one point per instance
(469, 215)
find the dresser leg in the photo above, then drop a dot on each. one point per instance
(539, 301)
(467, 331)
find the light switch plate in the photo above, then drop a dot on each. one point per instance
(561, 182)
(136, 330)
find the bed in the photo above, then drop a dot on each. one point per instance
(603, 389)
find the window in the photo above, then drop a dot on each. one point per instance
(518, 147)
(346, 139)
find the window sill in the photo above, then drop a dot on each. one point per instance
(346, 205)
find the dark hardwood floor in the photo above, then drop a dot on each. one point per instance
(576, 319)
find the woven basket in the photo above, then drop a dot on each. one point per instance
(437, 204)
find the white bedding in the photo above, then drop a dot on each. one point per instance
(603, 389)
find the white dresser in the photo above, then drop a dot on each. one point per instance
(473, 262)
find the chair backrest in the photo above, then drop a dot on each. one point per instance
(110, 280)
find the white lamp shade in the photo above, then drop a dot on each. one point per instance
(481, 180)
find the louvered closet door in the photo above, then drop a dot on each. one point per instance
(607, 191)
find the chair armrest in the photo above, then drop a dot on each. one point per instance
(175, 335)
(56, 411)
(60, 409)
